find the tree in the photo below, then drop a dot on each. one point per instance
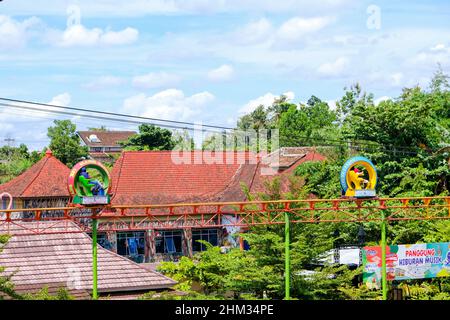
(101, 128)
(16, 160)
(6, 286)
(440, 81)
(309, 124)
(256, 120)
(150, 137)
(65, 143)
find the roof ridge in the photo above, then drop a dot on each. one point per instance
(254, 175)
(37, 174)
(112, 253)
(233, 179)
(119, 176)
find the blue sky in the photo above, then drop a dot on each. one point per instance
(209, 61)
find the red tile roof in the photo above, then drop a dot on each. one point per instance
(46, 178)
(107, 138)
(289, 160)
(152, 176)
(39, 259)
(144, 177)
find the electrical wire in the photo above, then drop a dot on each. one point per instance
(113, 113)
(109, 116)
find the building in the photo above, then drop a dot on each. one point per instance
(65, 260)
(104, 145)
(165, 177)
(43, 185)
(157, 177)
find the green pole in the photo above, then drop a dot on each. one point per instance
(383, 256)
(94, 259)
(287, 271)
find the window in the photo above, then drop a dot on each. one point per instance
(96, 149)
(209, 235)
(102, 239)
(168, 242)
(131, 244)
(94, 138)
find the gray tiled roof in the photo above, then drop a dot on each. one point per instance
(67, 258)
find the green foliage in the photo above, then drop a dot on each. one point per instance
(150, 137)
(307, 124)
(15, 160)
(101, 128)
(65, 143)
(222, 275)
(43, 294)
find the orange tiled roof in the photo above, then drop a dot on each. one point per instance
(46, 178)
(144, 177)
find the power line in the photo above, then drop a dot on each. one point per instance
(106, 116)
(113, 113)
(93, 116)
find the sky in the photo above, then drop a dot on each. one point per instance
(207, 61)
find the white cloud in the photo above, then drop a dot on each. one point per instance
(126, 36)
(27, 124)
(222, 73)
(105, 82)
(155, 80)
(335, 68)
(396, 79)
(265, 100)
(380, 99)
(170, 104)
(14, 33)
(254, 32)
(439, 53)
(296, 28)
(78, 35)
(62, 99)
(332, 104)
(114, 8)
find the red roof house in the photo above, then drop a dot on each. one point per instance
(42, 185)
(104, 145)
(159, 177)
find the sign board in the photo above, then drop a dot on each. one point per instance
(95, 200)
(365, 193)
(404, 262)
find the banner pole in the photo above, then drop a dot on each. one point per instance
(287, 262)
(94, 259)
(383, 255)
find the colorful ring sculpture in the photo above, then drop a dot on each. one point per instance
(86, 190)
(353, 185)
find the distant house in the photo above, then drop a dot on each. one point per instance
(44, 185)
(104, 145)
(65, 260)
